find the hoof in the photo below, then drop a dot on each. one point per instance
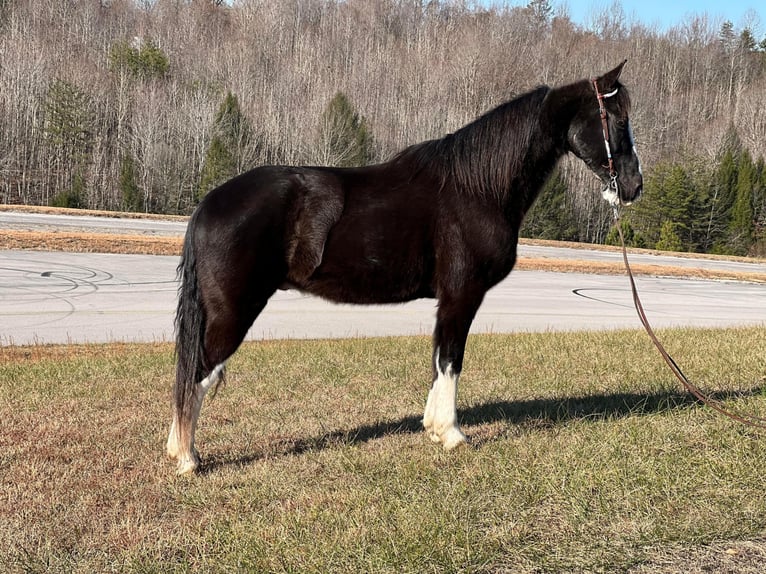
(187, 466)
(453, 439)
(450, 439)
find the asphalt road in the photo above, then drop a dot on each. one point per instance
(69, 297)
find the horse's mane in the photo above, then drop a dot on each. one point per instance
(483, 157)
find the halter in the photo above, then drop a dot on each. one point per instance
(612, 185)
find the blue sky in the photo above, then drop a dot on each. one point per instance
(668, 13)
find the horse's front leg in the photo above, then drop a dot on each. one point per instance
(453, 320)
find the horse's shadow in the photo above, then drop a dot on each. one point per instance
(536, 413)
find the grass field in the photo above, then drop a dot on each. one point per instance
(585, 457)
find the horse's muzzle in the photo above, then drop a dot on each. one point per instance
(630, 191)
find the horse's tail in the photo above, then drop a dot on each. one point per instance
(191, 360)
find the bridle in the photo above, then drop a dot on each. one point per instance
(745, 418)
(605, 131)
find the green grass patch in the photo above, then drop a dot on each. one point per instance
(585, 457)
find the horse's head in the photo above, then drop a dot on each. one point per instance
(600, 135)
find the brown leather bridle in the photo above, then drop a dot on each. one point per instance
(605, 130)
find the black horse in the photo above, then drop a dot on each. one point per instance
(440, 220)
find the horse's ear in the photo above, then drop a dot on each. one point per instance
(608, 82)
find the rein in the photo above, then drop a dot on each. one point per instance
(747, 419)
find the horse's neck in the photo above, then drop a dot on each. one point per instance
(542, 157)
(548, 146)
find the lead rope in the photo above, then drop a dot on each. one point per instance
(747, 419)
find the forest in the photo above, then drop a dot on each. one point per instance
(145, 105)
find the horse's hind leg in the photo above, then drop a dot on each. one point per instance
(224, 332)
(180, 444)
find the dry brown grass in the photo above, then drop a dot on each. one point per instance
(90, 242)
(607, 268)
(638, 250)
(584, 458)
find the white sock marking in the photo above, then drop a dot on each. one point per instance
(440, 418)
(188, 461)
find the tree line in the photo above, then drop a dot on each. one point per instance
(146, 105)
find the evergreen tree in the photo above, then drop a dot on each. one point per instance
(669, 239)
(218, 167)
(677, 200)
(741, 226)
(539, 13)
(632, 238)
(727, 37)
(722, 195)
(670, 195)
(68, 132)
(551, 216)
(142, 59)
(226, 155)
(344, 138)
(131, 195)
(759, 210)
(234, 131)
(68, 122)
(74, 197)
(747, 41)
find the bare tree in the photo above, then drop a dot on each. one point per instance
(153, 74)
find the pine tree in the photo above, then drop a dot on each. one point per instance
(539, 12)
(68, 122)
(669, 239)
(217, 168)
(142, 59)
(551, 215)
(741, 226)
(727, 37)
(758, 249)
(670, 196)
(69, 135)
(234, 131)
(344, 138)
(131, 195)
(722, 195)
(632, 238)
(74, 197)
(225, 157)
